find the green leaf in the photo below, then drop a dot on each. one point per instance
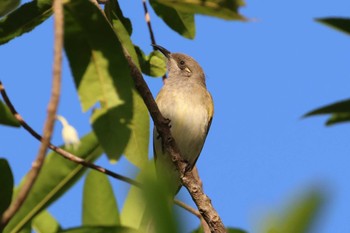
(225, 9)
(338, 107)
(100, 229)
(111, 127)
(136, 150)
(150, 206)
(6, 117)
(120, 24)
(338, 118)
(101, 72)
(182, 23)
(99, 204)
(116, 17)
(6, 185)
(24, 19)
(44, 222)
(341, 24)
(300, 216)
(57, 176)
(152, 65)
(6, 6)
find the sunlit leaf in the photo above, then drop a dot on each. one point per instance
(57, 175)
(6, 117)
(225, 9)
(44, 222)
(6, 6)
(24, 19)
(95, 55)
(341, 24)
(182, 23)
(99, 204)
(100, 229)
(6, 185)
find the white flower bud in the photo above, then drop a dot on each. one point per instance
(69, 134)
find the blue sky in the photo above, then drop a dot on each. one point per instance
(263, 75)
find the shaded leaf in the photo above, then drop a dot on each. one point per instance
(338, 118)
(225, 9)
(44, 222)
(24, 19)
(111, 127)
(6, 185)
(6, 117)
(152, 65)
(136, 150)
(116, 17)
(99, 204)
(339, 107)
(182, 23)
(56, 176)
(101, 72)
(6, 6)
(100, 229)
(341, 24)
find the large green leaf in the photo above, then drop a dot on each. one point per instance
(99, 204)
(101, 72)
(6, 185)
(44, 222)
(225, 9)
(6, 117)
(57, 175)
(341, 24)
(181, 22)
(100, 229)
(24, 19)
(6, 6)
(136, 150)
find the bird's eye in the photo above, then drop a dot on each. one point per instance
(182, 62)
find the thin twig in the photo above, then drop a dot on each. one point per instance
(188, 180)
(150, 30)
(188, 208)
(50, 120)
(58, 150)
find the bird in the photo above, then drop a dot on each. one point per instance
(186, 102)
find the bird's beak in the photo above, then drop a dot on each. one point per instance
(162, 50)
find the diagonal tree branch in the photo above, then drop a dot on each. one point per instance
(187, 178)
(51, 113)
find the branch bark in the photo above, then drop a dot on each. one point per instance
(188, 179)
(50, 119)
